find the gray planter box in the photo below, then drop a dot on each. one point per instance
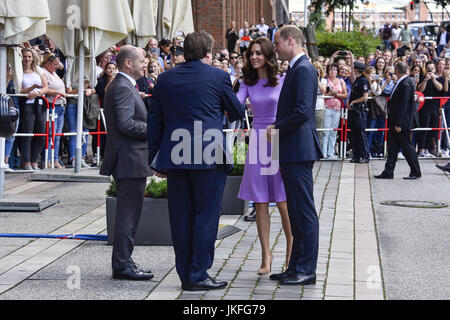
(231, 204)
(154, 226)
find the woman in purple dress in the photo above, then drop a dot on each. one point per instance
(262, 181)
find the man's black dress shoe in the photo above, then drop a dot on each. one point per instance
(411, 177)
(384, 176)
(299, 279)
(280, 276)
(130, 273)
(354, 160)
(137, 268)
(444, 168)
(364, 160)
(207, 284)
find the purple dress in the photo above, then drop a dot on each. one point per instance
(262, 180)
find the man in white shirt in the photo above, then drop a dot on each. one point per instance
(262, 27)
(442, 39)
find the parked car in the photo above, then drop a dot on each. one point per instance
(428, 29)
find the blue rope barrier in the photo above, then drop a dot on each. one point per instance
(95, 237)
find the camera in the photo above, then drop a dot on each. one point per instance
(427, 44)
(343, 53)
(329, 89)
(375, 77)
(401, 52)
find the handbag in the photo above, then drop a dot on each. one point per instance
(378, 106)
(91, 111)
(8, 117)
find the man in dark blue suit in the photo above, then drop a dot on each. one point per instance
(295, 130)
(187, 144)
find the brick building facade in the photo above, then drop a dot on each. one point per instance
(215, 16)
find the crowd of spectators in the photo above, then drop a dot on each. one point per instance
(44, 70)
(44, 75)
(429, 62)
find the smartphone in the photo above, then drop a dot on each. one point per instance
(375, 76)
(155, 50)
(247, 38)
(343, 53)
(378, 47)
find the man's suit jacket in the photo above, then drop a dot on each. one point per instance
(447, 37)
(191, 92)
(126, 150)
(401, 106)
(296, 120)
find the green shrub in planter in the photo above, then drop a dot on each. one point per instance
(155, 188)
(240, 150)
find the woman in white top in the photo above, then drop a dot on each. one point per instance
(33, 111)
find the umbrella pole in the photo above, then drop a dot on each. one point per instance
(79, 109)
(2, 90)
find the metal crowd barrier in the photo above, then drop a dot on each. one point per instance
(342, 129)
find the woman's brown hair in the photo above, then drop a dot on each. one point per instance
(250, 74)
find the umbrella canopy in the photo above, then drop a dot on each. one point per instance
(182, 19)
(164, 18)
(21, 22)
(97, 25)
(145, 15)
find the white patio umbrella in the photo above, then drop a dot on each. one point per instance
(145, 15)
(164, 21)
(182, 19)
(20, 20)
(86, 26)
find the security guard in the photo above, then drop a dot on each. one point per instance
(358, 114)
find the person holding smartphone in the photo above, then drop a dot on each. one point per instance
(431, 86)
(244, 37)
(337, 89)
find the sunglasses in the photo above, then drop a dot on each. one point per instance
(233, 57)
(51, 57)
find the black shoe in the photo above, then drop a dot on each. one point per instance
(364, 160)
(299, 279)
(384, 176)
(251, 216)
(280, 276)
(444, 168)
(131, 273)
(137, 268)
(207, 284)
(354, 160)
(411, 177)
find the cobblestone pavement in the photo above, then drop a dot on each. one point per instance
(349, 264)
